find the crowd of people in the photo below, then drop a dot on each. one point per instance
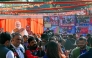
(49, 45)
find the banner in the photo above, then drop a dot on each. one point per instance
(54, 20)
(46, 19)
(67, 20)
(82, 21)
(54, 28)
(70, 24)
(90, 21)
(67, 29)
(82, 30)
(90, 29)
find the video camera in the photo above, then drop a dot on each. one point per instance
(47, 35)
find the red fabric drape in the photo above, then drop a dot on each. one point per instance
(0, 23)
(28, 21)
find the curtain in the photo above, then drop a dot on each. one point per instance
(37, 25)
(40, 26)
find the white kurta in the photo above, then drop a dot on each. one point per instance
(24, 32)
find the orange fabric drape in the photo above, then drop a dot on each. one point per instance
(36, 24)
(40, 26)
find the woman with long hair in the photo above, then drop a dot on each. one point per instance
(53, 50)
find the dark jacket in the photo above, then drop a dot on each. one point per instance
(87, 54)
(69, 44)
(3, 51)
(40, 53)
(89, 41)
(14, 51)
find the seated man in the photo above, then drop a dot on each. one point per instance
(28, 29)
(19, 29)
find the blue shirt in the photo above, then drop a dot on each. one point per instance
(45, 56)
(87, 54)
(83, 51)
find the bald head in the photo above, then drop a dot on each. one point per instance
(28, 28)
(18, 24)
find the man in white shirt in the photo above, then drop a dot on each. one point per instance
(19, 29)
(16, 45)
(5, 38)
